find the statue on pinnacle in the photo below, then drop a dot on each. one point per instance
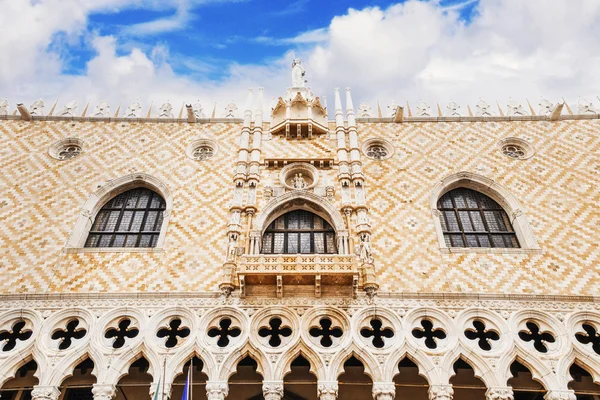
(298, 73)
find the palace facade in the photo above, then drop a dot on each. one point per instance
(319, 253)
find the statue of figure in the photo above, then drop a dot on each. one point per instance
(232, 247)
(102, 109)
(423, 109)
(134, 110)
(165, 111)
(4, 107)
(545, 107)
(586, 107)
(483, 109)
(364, 110)
(453, 109)
(197, 108)
(69, 110)
(515, 108)
(299, 182)
(298, 73)
(37, 108)
(230, 110)
(366, 255)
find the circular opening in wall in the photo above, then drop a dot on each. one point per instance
(299, 176)
(66, 149)
(202, 149)
(516, 148)
(377, 149)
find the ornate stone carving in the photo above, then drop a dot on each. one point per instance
(45, 393)
(384, 391)
(560, 395)
(216, 390)
(102, 109)
(545, 107)
(483, 109)
(298, 181)
(298, 74)
(327, 390)
(4, 107)
(364, 110)
(165, 111)
(37, 108)
(230, 110)
(452, 108)
(232, 247)
(423, 109)
(69, 110)
(134, 110)
(103, 392)
(499, 393)
(586, 107)
(366, 254)
(441, 392)
(515, 109)
(272, 390)
(392, 109)
(197, 109)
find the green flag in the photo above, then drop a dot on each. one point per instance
(157, 390)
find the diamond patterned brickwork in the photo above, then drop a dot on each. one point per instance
(40, 199)
(559, 189)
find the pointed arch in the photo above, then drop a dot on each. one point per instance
(540, 372)
(12, 365)
(426, 368)
(108, 191)
(584, 361)
(283, 366)
(480, 366)
(496, 192)
(372, 369)
(228, 366)
(65, 368)
(176, 364)
(120, 366)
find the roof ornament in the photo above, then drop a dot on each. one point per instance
(393, 107)
(230, 110)
(102, 109)
(515, 109)
(452, 108)
(165, 111)
(69, 110)
(364, 110)
(423, 109)
(197, 108)
(37, 108)
(483, 109)
(545, 107)
(298, 74)
(134, 110)
(4, 106)
(586, 107)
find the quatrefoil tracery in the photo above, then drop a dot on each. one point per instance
(17, 333)
(377, 333)
(429, 334)
(173, 332)
(326, 332)
(223, 332)
(482, 335)
(275, 331)
(67, 335)
(591, 335)
(124, 331)
(538, 337)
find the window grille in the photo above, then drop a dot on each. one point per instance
(472, 219)
(131, 219)
(299, 232)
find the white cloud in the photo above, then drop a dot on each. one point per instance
(414, 50)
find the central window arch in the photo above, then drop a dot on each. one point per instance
(299, 232)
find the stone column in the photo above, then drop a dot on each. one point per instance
(384, 391)
(45, 393)
(441, 392)
(327, 390)
(217, 390)
(499, 393)
(272, 390)
(560, 395)
(103, 391)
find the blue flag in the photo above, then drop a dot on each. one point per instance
(186, 388)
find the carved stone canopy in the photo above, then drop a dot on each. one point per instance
(298, 114)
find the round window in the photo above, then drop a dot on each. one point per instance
(68, 152)
(202, 149)
(516, 148)
(66, 149)
(203, 153)
(377, 149)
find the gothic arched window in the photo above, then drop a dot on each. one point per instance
(299, 232)
(131, 219)
(472, 219)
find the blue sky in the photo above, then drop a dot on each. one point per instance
(389, 52)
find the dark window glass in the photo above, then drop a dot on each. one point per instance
(472, 219)
(299, 232)
(131, 219)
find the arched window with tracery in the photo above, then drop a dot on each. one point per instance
(299, 232)
(472, 219)
(130, 219)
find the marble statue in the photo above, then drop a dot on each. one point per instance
(423, 109)
(134, 110)
(298, 73)
(197, 108)
(366, 255)
(452, 108)
(69, 110)
(232, 247)
(166, 111)
(515, 108)
(299, 182)
(483, 109)
(230, 110)
(586, 107)
(364, 110)
(545, 107)
(102, 109)
(4, 107)
(37, 108)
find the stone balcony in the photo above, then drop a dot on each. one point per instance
(298, 274)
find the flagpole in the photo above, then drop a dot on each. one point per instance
(164, 378)
(192, 379)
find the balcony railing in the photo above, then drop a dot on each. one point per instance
(326, 264)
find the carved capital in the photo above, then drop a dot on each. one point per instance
(384, 391)
(103, 392)
(560, 395)
(272, 390)
(45, 393)
(499, 393)
(327, 390)
(441, 392)
(216, 390)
